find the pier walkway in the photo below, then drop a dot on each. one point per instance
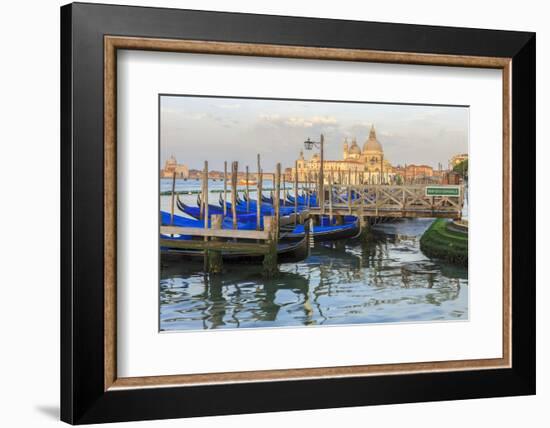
(412, 201)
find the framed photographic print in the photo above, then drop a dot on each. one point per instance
(264, 213)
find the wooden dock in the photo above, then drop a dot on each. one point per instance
(321, 196)
(406, 201)
(215, 239)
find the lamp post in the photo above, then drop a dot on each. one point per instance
(308, 144)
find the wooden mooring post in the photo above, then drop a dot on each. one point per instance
(204, 198)
(270, 258)
(215, 259)
(308, 192)
(247, 193)
(234, 170)
(277, 199)
(284, 189)
(201, 206)
(224, 188)
(173, 196)
(258, 195)
(204, 203)
(296, 192)
(364, 227)
(330, 197)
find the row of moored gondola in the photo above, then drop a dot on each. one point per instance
(293, 238)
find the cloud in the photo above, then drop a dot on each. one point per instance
(297, 121)
(196, 116)
(229, 106)
(195, 129)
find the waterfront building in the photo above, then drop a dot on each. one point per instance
(171, 165)
(456, 159)
(366, 165)
(419, 174)
(451, 177)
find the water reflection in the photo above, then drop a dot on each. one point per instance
(385, 280)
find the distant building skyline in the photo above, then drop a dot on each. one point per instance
(195, 129)
(171, 167)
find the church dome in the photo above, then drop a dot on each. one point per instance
(372, 144)
(354, 149)
(172, 160)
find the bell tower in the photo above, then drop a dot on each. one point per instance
(346, 149)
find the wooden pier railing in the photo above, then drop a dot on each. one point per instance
(393, 201)
(215, 233)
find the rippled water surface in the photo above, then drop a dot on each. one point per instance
(385, 280)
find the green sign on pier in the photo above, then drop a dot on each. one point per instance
(443, 191)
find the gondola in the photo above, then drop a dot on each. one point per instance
(269, 200)
(247, 221)
(240, 202)
(303, 200)
(266, 209)
(324, 233)
(166, 220)
(199, 200)
(195, 212)
(320, 233)
(289, 249)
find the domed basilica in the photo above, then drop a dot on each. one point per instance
(366, 165)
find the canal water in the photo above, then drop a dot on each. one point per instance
(385, 280)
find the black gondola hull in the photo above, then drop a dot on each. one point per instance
(290, 251)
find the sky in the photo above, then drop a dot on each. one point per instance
(195, 129)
